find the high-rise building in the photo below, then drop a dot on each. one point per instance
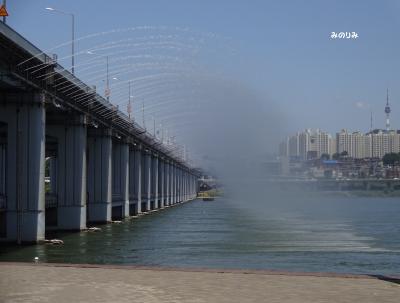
(394, 141)
(304, 144)
(323, 141)
(367, 146)
(358, 145)
(384, 142)
(344, 142)
(294, 146)
(309, 144)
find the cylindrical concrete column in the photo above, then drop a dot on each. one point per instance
(147, 181)
(190, 186)
(186, 187)
(72, 173)
(125, 178)
(161, 188)
(178, 185)
(120, 179)
(99, 175)
(137, 180)
(166, 182)
(154, 182)
(25, 117)
(171, 183)
(174, 184)
(182, 185)
(194, 188)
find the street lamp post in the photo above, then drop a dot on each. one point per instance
(107, 81)
(154, 126)
(73, 35)
(107, 91)
(143, 120)
(129, 108)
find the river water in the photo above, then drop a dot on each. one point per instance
(336, 234)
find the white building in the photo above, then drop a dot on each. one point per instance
(309, 144)
(344, 142)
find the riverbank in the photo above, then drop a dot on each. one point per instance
(353, 193)
(24, 282)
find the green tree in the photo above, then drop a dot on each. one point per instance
(391, 158)
(325, 157)
(335, 156)
(344, 154)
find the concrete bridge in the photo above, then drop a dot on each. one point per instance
(99, 164)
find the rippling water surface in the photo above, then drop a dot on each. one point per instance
(345, 235)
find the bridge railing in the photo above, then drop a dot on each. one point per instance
(103, 110)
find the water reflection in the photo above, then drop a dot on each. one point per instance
(357, 235)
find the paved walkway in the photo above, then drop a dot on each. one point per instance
(68, 283)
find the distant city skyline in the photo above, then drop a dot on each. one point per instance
(312, 144)
(384, 121)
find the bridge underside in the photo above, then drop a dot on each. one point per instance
(58, 172)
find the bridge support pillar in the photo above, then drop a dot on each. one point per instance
(70, 172)
(125, 177)
(99, 176)
(185, 198)
(180, 185)
(24, 117)
(161, 188)
(166, 183)
(146, 201)
(194, 193)
(154, 182)
(120, 180)
(191, 187)
(170, 184)
(173, 184)
(186, 187)
(136, 180)
(196, 185)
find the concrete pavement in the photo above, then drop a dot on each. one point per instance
(21, 282)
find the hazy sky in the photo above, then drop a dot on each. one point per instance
(281, 50)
